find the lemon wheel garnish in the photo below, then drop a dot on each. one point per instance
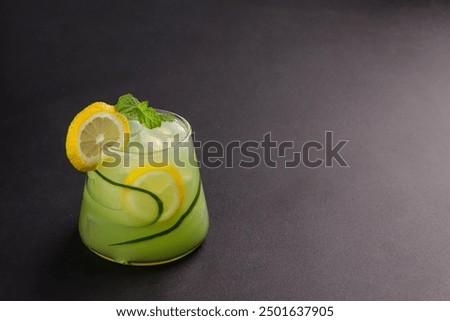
(96, 125)
(163, 181)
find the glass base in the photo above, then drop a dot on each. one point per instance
(145, 263)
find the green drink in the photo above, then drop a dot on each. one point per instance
(144, 204)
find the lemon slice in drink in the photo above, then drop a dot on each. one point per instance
(164, 182)
(96, 125)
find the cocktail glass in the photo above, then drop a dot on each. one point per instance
(145, 205)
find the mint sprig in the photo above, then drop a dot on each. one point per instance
(133, 109)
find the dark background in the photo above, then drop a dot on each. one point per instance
(374, 72)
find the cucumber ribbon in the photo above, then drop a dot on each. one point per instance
(160, 210)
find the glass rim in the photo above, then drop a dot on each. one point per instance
(184, 122)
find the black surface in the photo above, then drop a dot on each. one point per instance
(374, 72)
